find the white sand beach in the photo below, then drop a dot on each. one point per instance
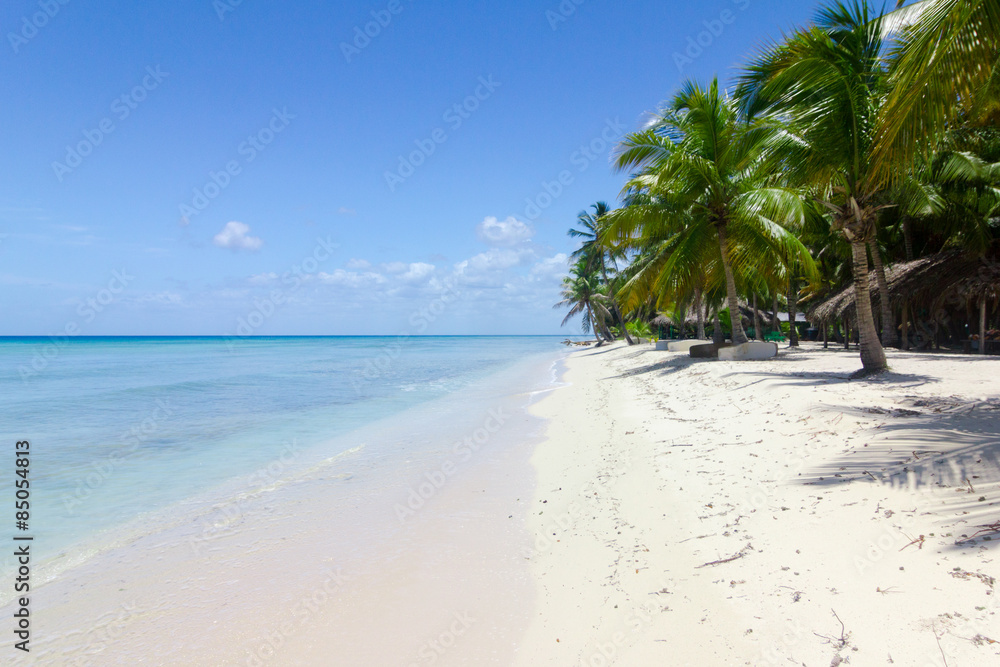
(717, 513)
(331, 334)
(678, 512)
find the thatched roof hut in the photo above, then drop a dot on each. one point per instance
(661, 320)
(952, 276)
(691, 318)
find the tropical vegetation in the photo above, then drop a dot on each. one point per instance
(840, 156)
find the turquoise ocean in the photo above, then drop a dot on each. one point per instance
(127, 431)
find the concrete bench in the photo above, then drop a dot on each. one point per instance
(707, 350)
(752, 351)
(684, 345)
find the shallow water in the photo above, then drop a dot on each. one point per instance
(130, 435)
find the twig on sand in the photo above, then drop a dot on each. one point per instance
(844, 637)
(988, 528)
(938, 640)
(743, 552)
(919, 540)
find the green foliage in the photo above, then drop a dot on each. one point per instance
(639, 328)
(708, 210)
(859, 133)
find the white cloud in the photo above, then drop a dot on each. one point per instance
(557, 266)
(504, 232)
(358, 264)
(263, 278)
(235, 236)
(495, 259)
(418, 272)
(351, 279)
(395, 267)
(160, 298)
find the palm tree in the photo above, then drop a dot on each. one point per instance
(882, 281)
(707, 196)
(671, 262)
(596, 254)
(793, 311)
(946, 61)
(829, 80)
(582, 295)
(970, 188)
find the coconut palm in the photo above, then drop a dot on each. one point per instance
(793, 311)
(596, 254)
(970, 187)
(707, 200)
(668, 264)
(582, 295)
(881, 280)
(829, 80)
(946, 61)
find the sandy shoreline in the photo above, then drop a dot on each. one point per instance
(714, 513)
(679, 512)
(404, 551)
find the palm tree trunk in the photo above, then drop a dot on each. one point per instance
(908, 239)
(888, 323)
(621, 322)
(872, 354)
(739, 336)
(793, 315)
(756, 319)
(905, 332)
(826, 335)
(615, 312)
(606, 332)
(775, 324)
(593, 324)
(718, 337)
(982, 325)
(908, 243)
(698, 306)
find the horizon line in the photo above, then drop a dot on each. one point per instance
(229, 336)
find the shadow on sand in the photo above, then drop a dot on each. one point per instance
(945, 444)
(671, 364)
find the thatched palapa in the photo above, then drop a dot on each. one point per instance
(947, 277)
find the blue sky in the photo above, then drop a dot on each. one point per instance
(216, 167)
